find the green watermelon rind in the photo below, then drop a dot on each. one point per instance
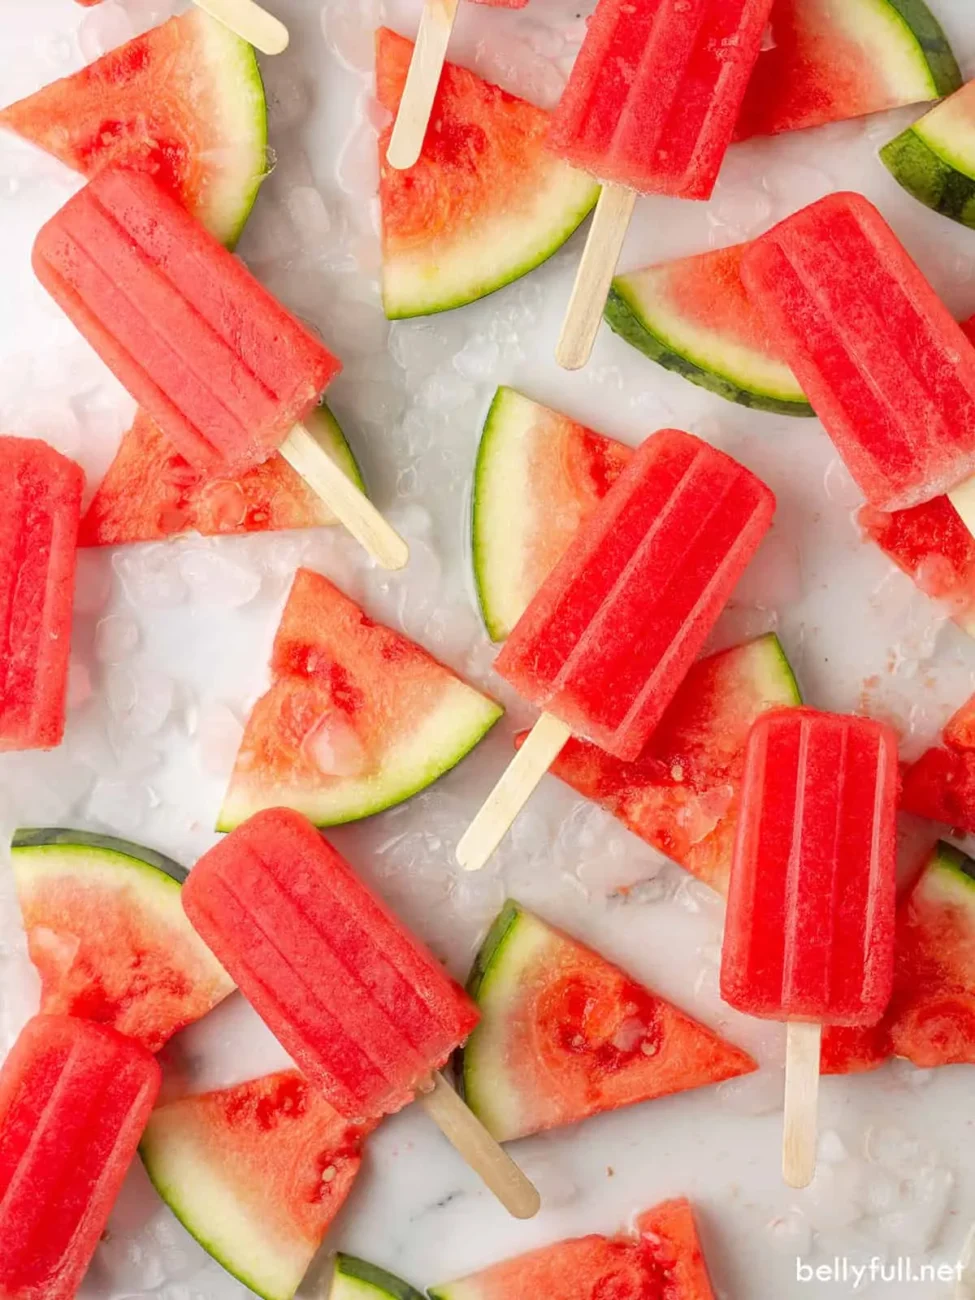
(278, 1281)
(235, 61)
(491, 505)
(468, 717)
(949, 873)
(357, 1279)
(514, 940)
(484, 260)
(327, 432)
(631, 319)
(931, 177)
(930, 38)
(60, 840)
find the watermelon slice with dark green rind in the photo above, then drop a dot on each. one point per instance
(485, 204)
(828, 61)
(661, 1259)
(184, 100)
(356, 1279)
(693, 317)
(932, 1013)
(256, 1173)
(538, 476)
(106, 930)
(682, 794)
(150, 492)
(564, 1034)
(333, 666)
(935, 158)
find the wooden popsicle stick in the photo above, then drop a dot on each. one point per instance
(963, 499)
(422, 81)
(965, 1286)
(801, 1102)
(595, 276)
(249, 21)
(351, 507)
(509, 796)
(465, 1132)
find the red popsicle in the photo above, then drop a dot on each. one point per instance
(614, 629)
(74, 1100)
(40, 508)
(365, 1010)
(224, 370)
(809, 936)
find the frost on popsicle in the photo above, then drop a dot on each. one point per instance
(358, 717)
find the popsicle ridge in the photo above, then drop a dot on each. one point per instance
(650, 103)
(885, 365)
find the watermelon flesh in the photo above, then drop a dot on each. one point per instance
(358, 716)
(829, 60)
(485, 203)
(106, 931)
(681, 795)
(184, 101)
(661, 1259)
(931, 1020)
(256, 1173)
(151, 492)
(564, 1034)
(940, 785)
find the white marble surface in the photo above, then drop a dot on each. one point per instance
(160, 691)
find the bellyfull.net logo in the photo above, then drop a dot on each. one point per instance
(854, 1274)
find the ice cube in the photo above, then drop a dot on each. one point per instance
(140, 699)
(754, 1094)
(215, 579)
(116, 639)
(335, 748)
(150, 575)
(102, 29)
(350, 33)
(218, 736)
(119, 806)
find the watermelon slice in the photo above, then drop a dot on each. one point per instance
(106, 931)
(941, 787)
(828, 60)
(485, 204)
(256, 1173)
(150, 492)
(539, 475)
(681, 795)
(935, 158)
(355, 1279)
(693, 316)
(358, 717)
(565, 1035)
(661, 1259)
(184, 100)
(932, 1014)
(933, 547)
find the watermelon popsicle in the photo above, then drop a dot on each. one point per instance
(809, 935)
(365, 1010)
(222, 367)
(888, 370)
(426, 67)
(74, 1100)
(650, 108)
(614, 629)
(40, 509)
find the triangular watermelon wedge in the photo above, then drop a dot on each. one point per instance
(829, 60)
(564, 1034)
(107, 933)
(485, 204)
(681, 795)
(931, 1019)
(358, 717)
(150, 492)
(256, 1173)
(184, 100)
(661, 1259)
